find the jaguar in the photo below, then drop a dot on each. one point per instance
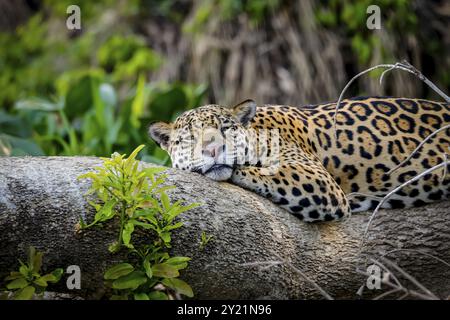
(316, 169)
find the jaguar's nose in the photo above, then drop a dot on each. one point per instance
(213, 150)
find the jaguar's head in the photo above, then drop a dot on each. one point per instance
(208, 140)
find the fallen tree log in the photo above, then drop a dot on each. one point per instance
(257, 251)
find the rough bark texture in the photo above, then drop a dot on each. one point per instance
(41, 201)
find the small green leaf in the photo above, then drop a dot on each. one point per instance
(165, 201)
(178, 262)
(165, 271)
(127, 232)
(17, 284)
(57, 274)
(130, 281)
(107, 211)
(24, 270)
(150, 172)
(134, 153)
(141, 296)
(165, 236)
(88, 175)
(148, 268)
(157, 295)
(188, 207)
(144, 225)
(174, 226)
(37, 261)
(41, 281)
(152, 219)
(82, 223)
(14, 275)
(147, 214)
(204, 240)
(31, 255)
(53, 277)
(114, 247)
(25, 293)
(117, 271)
(179, 286)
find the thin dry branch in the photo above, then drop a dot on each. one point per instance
(388, 273)
(444, 172)
(387, 293)
(421, 77)
(410, 278)
(398, 286)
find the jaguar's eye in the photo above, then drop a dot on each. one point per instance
(224, 129)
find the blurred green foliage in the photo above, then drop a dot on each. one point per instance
(85, 94)
(256, 11)
(351, 16)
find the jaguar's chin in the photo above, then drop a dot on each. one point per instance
(219, 172)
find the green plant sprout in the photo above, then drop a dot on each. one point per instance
(136, 197)
(204, 240)
(28, 280)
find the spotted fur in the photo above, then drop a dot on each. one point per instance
(317, 170)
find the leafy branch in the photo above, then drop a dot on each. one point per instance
(136, 197)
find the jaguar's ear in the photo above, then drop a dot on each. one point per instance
(160, 133)
(245, 111)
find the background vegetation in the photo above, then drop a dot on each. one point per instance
(94, 91)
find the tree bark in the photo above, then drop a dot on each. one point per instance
(257, 251)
